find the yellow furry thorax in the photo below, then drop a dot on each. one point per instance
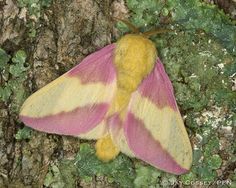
(135, 56)
(134, 59)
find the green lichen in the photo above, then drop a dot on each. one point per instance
(214, 162)
(14, 73)
(146, 176)
(18, 66)
(24, 133)
(61, 175)
(54, 178)
(5, 92)
(4, 58)
(34, 11)
(118, 171)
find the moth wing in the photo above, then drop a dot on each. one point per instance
(116, 130)
(76, 102)
(154, 129)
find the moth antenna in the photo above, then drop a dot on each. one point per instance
(130, 25)
(156, 31)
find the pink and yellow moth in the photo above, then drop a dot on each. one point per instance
(122, 97)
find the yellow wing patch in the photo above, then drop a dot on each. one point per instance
(98, 132)
(65, 94)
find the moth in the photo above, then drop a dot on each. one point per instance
(122, 97)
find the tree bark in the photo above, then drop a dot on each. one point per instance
(67, 31)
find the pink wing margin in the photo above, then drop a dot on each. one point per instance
(95, 68)
(157, 89)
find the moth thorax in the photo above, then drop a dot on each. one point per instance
(135, 57)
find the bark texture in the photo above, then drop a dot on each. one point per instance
(67, 31)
